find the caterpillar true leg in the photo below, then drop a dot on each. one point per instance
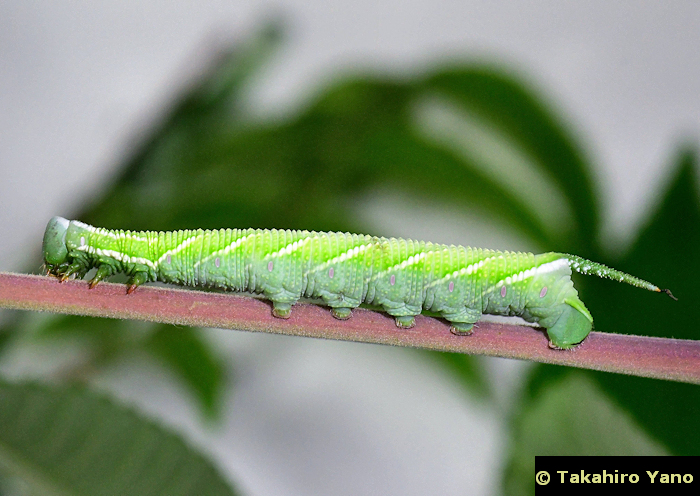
(104, 270)
(74, 268)
(138, 279)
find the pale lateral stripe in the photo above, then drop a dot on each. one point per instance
(122, 257)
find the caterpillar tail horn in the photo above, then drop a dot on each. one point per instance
(584, 266)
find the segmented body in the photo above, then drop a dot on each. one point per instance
(403, 276)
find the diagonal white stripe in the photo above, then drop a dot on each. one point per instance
(468, 270)
(346, 255)
(526, 274)
(179, 248)
(413, 259)
(291, 247)
(226, 250)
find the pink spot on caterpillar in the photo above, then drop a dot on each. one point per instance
(451, 286)
(269, 265)
(82, 240)
(331, 272)
(392, 280)
(543, 292)
(168, 258)
(503, 292)
(217, 262)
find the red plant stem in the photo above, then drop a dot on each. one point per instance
(662, 358)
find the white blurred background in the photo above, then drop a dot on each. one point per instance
(80, 80)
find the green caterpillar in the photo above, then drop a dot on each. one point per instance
(402, 276)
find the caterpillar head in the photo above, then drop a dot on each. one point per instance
(54, 247)
(572, 326)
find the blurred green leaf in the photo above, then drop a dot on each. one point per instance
(187, 354)
(181, 350)
(506, 103)
(108, 337)
(70, 441)
(210, 106)
(571, 416)
(8, 330)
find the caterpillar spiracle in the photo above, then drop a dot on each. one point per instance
(403, 276)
